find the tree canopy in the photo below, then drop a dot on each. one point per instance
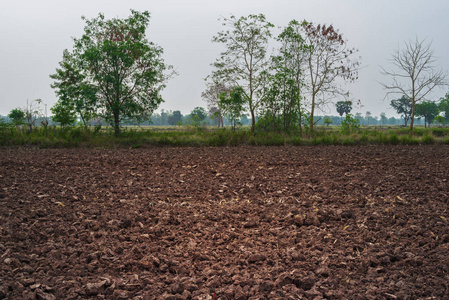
(428, 110)
(17, 116)
(113, 71)
(244, 60)
(403, 107)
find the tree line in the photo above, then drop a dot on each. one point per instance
(114, 74)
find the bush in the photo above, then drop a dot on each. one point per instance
(439, 132)
(428, 139)
(350, 124)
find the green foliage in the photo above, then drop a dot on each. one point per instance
(427, 109)
(63, 114)
(244, 61)
(444, 107)
(197, 116)
(327, 120)
(281, 101)
(233, 104)
(350, 124)
(113, 72)
(17, 116)
(141, 137)
(403, 107)
(428, 139)
(200, 112)
(343, 107)
(441, 120)
(175, 118)
(439, 132)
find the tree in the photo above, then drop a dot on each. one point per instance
(76, 94)
(280, 103)
(403, 107)
(233, 103)
(343, 107)
(444, 107)
(327, 120)
(63, 114)
(428, 110)
(32, 112)
(414, 73)
(117, 64)
(383, 118)
(327, 60)
(212, 97)
(17, 116)
(175, 118)
(367, 117)
(290, 64)
(244, 61)
(198, 115)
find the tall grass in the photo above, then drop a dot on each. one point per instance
(135, 137)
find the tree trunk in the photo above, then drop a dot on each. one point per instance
(84, 121)
(412, 117)
(253, 120)
(312, 111)
(116, 123)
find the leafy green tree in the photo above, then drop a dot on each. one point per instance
(234, 104)
(122, 71)
(290, 64)
(17, 116)
(428, 110)
(175, 118)
(244, 62)
(343, 107)
(76, 94)
(350, 124)
(63, 114)
(198, 115)
(414, 74)
(444, 107)
(327, 120)
(281, 105)
(403, 107)
(328, 60)
(281, 99)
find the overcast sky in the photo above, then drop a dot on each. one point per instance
(33, 35)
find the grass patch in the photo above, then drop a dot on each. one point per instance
(138, 137)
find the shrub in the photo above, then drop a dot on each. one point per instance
(428, 139)
(350, 124)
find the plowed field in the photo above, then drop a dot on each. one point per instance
(225, 223)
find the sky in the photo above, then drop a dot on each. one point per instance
(33, 35)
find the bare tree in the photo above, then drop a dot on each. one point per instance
(32, 112)
(212, 97)
(414, 74)
(327, 59)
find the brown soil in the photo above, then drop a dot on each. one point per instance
(225, 223)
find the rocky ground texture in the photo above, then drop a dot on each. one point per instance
(319, 222)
